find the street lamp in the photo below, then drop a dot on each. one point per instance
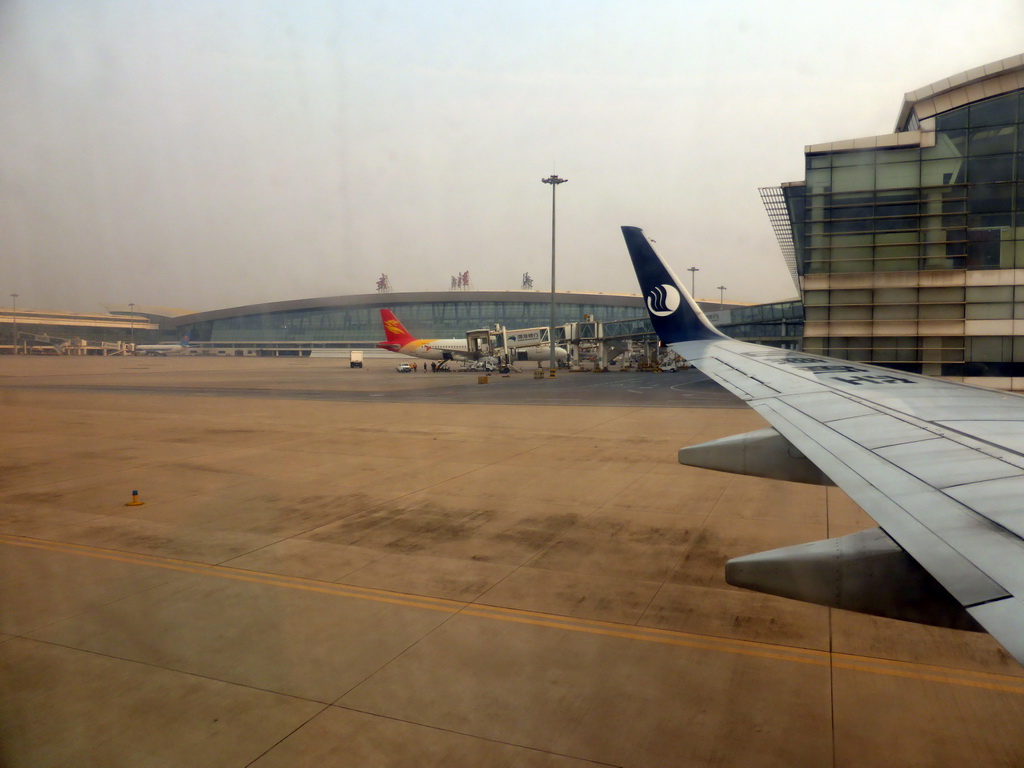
(14, 314)
(131, 306)
(692, 271)
(554, 181)
(721, 297)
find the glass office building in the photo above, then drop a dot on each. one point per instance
(910, 246)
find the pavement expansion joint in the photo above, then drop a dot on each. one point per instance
(876, 666)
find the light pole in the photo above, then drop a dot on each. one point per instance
(14, 314)
(721, 297)
(693, 282)
(554, 181)
(131, 306)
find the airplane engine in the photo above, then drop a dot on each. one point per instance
(865, 572)
(762, 453)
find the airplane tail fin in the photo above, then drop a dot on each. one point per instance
(674, 313)
(393, 328)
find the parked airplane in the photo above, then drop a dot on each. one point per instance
(938, 465)
(403, 342)
(181, 348)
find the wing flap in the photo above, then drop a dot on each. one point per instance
(826, 407)
(943, 463)
(1007, 435)
(740, 384)
(879, 430)
(1004, 620)
(1001, 500)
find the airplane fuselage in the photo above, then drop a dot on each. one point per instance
(430, 349)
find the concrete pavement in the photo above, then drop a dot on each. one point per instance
(454, 580)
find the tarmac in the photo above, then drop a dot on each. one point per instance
(344, 567)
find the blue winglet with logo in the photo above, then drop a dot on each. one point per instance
(674, 314)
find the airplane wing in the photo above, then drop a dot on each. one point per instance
(938, 465)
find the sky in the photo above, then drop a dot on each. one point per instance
(212, 154)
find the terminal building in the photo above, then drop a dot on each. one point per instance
(909, 246)
(353, 322)
(32, 331)
(341, 323)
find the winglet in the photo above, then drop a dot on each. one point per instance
(674, 314)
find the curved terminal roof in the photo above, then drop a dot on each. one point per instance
(949, 93)
(914, 127)
(412, 297)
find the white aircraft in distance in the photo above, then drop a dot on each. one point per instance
(181, 348)
(403, 342)
(938, 465)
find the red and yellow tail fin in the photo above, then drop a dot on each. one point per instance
(394, 329)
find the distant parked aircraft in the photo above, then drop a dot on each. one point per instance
(181, 348)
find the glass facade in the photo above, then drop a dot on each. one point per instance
(427, 319)
(780, 324)
(892, 242)
(953, 205)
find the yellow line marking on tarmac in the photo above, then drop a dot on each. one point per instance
(885, 667)
(237, 574)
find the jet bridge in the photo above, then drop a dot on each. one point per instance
(588, 342)
(484, 342)
(600, 344)
(508, 347)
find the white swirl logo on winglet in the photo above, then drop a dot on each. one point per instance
(663, 300)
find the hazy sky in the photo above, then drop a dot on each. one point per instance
(212, 154)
